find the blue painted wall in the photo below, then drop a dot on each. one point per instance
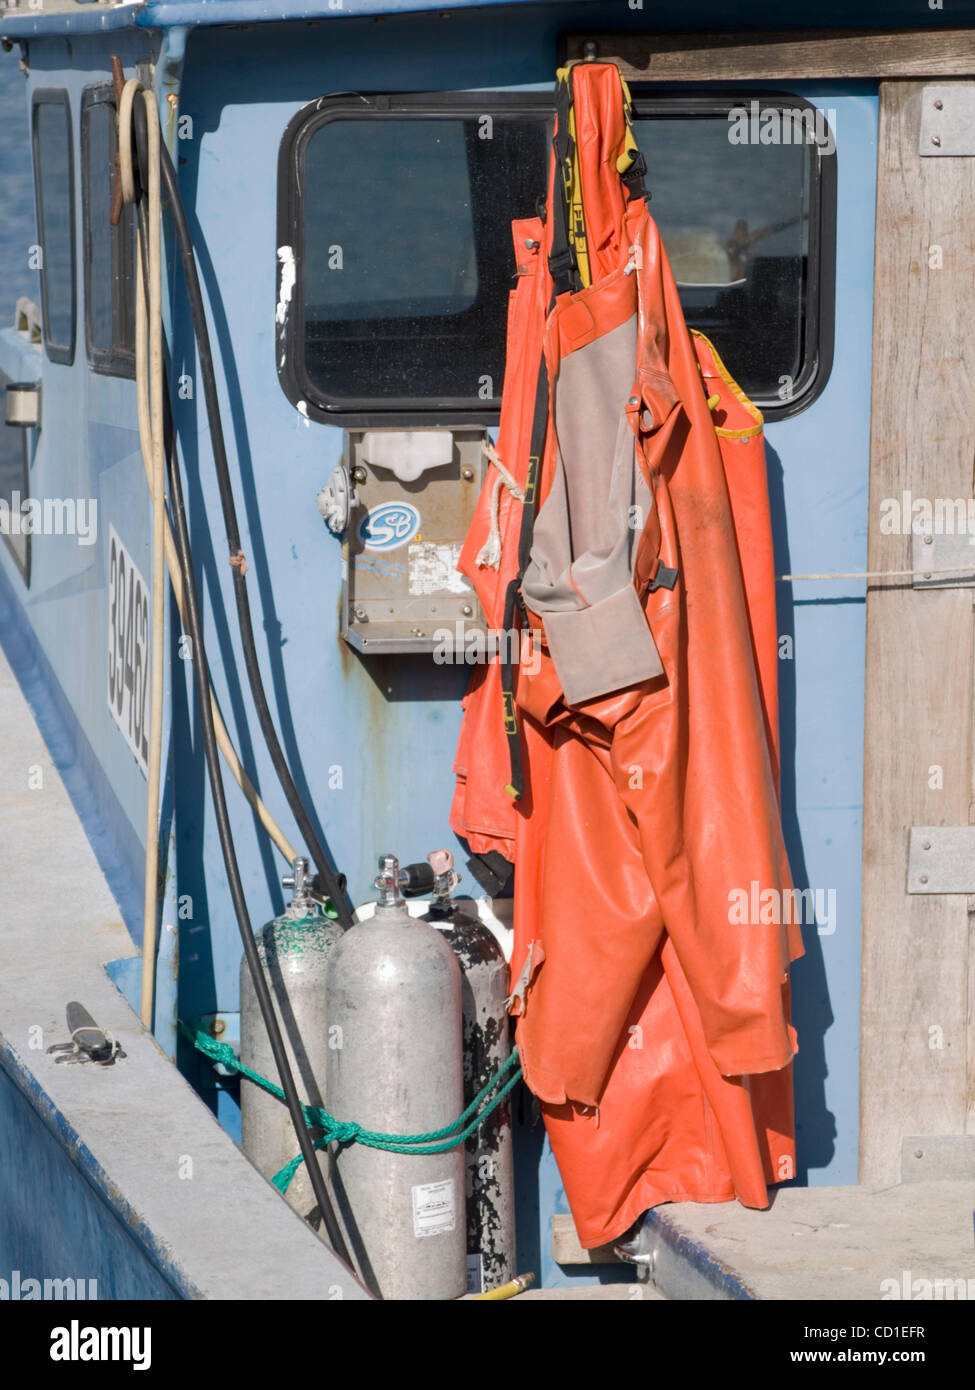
(818, 474)
(389, 725)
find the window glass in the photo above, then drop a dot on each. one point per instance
(54, 183)
(18, 218)
(735, 221)
(407, 259)
(109, 251)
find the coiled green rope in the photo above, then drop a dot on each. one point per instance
(347, 1131)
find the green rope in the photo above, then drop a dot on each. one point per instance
(435, 1141)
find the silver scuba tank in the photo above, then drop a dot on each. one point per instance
(393, 1002)
(293, 950)
(487, 1044)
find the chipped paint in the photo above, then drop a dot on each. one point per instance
(286, 260)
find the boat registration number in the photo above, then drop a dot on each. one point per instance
(128, 649)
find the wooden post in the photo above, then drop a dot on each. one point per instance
(919, 681)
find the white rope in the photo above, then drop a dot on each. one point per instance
(489, 554)
(881, 574)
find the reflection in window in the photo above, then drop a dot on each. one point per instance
(109, 251)
(54, 184)
(735, 221)
(407, 260)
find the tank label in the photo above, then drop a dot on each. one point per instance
(128, 649)
(433, 1208)
(475, 1273)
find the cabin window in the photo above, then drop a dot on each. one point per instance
(402, 251)
(395, 256)
(109, 251)
(54, 185)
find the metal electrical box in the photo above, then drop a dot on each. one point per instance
(412, 498)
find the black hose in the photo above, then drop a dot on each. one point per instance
(333, 883)
(201, 676)
(202, 680)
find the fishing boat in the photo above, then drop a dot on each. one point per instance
(255, 267)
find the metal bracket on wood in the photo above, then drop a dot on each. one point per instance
(936, 1157)
(944, 562)
(948, 120)
(941, 859)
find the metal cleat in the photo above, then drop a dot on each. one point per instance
(89, 1043)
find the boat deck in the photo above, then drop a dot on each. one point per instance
(913, 1240)
(118, 1174)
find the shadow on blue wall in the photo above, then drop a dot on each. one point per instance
(812, 1012)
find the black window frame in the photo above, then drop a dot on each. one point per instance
(648, 102)
(56, 96)
(112, 361)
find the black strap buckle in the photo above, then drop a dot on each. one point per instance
(632, 180)
(664, 578)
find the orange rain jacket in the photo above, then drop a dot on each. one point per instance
(652, 1024)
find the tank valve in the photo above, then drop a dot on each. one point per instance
(441, 861)
(388, 881)
(299, 881)
(436, 876)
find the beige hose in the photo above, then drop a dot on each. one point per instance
(155, 465)
(149, 395)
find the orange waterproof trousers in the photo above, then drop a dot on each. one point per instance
(653, 1024)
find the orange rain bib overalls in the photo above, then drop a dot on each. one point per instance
(631, 771)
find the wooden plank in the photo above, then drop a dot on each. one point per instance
(919, 678)
(566, 1249)
(790, 55)
(970, 1115)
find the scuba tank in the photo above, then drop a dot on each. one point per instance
(293, 949)
(487, 1044)
(393, 1002)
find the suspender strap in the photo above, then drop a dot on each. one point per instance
(562, 263)
(514, 603)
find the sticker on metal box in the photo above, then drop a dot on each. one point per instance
(433, 569)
